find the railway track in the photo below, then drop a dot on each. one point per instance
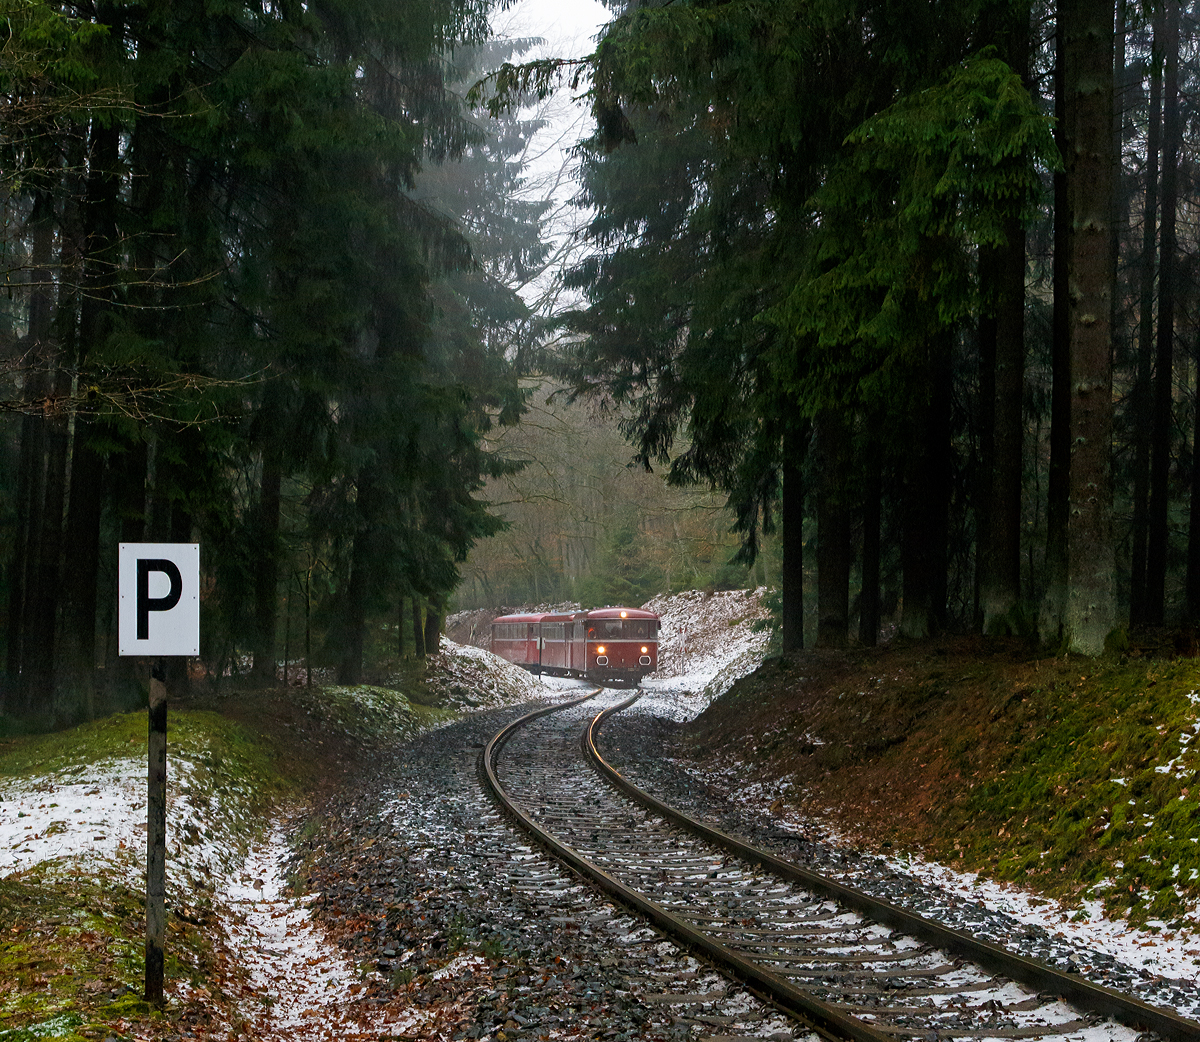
(846, 964)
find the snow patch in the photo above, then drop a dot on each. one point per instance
(708, 642)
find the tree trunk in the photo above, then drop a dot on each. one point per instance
(868, 600)
(1000, 589)
(989, 262)
(1161, 425)
(353, 613)
(1088, 51)
(433, 630)
(1142, 398)
(999, 539)
(417, 631)
(79, 582)
(28, 455)
(792, 534)
(266, 568)
(833, 533)
(41, 658)
(1192, 579)
(87, 465)
(37, 644)
(1054, 600)
(926, 502)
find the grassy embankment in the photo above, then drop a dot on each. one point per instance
(71, 937)
(1075, 778)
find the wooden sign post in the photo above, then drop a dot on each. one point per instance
(165, 624)
(156, 835)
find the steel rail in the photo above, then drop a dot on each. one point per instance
(822, 1017)
(1080, 993)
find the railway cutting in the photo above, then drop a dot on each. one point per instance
(843, 963)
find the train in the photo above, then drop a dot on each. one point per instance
(614, 647)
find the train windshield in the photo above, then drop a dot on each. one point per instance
(626, 629)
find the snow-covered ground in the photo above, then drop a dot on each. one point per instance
(707, 641)
(300, 982)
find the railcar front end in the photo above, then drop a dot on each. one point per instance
(619, 646)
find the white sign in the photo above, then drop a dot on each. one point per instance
(158, 585)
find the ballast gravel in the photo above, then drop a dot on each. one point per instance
(639, 744)
(439, 899)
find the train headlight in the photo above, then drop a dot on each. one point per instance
(644, 650)
(600, 650)
(624, 614)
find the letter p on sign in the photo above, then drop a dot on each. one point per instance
(158, 586)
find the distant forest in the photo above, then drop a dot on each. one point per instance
(903, 292)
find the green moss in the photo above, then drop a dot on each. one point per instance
(1097, 792)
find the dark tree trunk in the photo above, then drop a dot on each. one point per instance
(358, 588)
(792, 534)
(28, 455)
(266, 572)
(87, 465)
(1088, 50)
(433, 630)
(1118, 146)
(941, 382)
(1142, 410)
(37, 640)
(986, 419)
(41, 658)
(833, 533)
(1192, 579)
(353, 612)
(999, 542)
(926, 502)
(417, 632)
(79, 582)
(1164, 383)
(127, 477)
(868, 601)
(1054, 600)
(1000, 590)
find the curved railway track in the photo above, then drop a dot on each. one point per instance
(849, 965)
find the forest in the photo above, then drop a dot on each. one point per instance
(901, 293)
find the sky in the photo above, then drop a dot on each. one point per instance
(568, 28)
(568, 25)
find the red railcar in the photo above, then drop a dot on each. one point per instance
(515, 637)
(612, 646)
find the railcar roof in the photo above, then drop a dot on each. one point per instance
(595, 613)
